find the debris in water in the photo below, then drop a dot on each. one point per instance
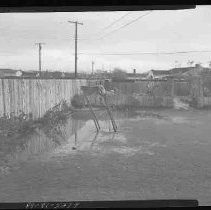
(178, 104)
(148, 114)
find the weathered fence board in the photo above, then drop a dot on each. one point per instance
(1, 99)
(207, 101)
(35, 96)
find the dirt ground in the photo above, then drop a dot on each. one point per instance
(156, 154)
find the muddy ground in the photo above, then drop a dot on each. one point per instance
(156, 154)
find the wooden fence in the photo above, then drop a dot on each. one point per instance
(35, 96)
(153, 87)
(157, 93)
(123, 100)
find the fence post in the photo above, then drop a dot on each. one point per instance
(200, 93)
(3, 97)
(172, 88)
(171, 85)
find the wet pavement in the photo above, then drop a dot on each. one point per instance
(156, 154)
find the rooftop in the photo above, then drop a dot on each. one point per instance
(8, 71)
(180, 70)
(160, 72)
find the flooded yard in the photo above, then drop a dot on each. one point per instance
(156, 154)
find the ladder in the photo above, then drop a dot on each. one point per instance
(110, 114)
(88, 90)
(97, 125)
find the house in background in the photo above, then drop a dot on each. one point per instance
(57, 74)
(34, 74)
(27, 74)
(179, 72)
(157, 74)
(100, 74)
(8, 73)
(136, 76)
(198, 70)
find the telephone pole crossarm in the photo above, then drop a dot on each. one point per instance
(76, 22)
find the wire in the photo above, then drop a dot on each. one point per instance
(150, 53)
(105, 28)
(127, 24)
(116, 21)
(120, 26)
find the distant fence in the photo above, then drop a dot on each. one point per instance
(149, 87)
(123, 100)
(158, 93)
(35, 96)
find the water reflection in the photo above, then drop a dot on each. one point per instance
(86, 141)
(94, 140)
(43, 141)
(78, 134)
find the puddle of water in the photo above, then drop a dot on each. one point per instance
(86, 139)
(113, 137)
(101, 144)
(173, 120)
(41, 142)
(178, 120)
(76, 136)
(129, 151)
(153, 144)
(132, 151)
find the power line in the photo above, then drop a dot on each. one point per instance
(129, 23)
(111, 24)
(116, 21)
(150, 53)
(136, 19)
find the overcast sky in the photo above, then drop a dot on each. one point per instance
(159, 31)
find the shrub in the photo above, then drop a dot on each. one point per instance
(119, 74)
(77, 101)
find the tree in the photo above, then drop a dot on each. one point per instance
(198, 65)
(119, 74)
(190, 63)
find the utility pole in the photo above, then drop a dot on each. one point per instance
(93, 67)
(40, 48)
(76, 40)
